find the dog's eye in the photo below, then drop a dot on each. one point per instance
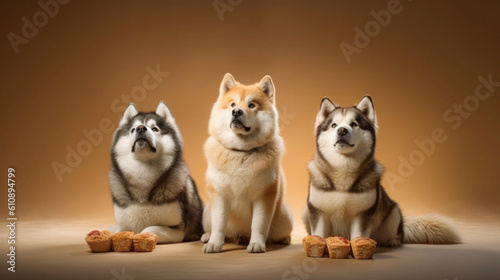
(233, 104)
(251, 105)
(334, 125)
(155, 129)
(132, 131)
(353, 124)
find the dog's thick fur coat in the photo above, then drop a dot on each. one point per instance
(245, 181)
(150, 184)
(345, 194)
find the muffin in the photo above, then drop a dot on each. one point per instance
(122, 241)
(99, 241)
(363, 247)
(144, 242)
(314, 246)
(338, 247)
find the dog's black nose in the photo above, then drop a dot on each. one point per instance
(141, 128)
(342, 131)
(237, 112)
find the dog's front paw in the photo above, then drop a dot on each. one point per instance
(212, 248)
(256, 247)
(205, 237)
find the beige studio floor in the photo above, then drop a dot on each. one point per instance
(56, 249)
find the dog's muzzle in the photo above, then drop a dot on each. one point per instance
(236, 123)
(343, 137)
(343, 143)
(142, 142)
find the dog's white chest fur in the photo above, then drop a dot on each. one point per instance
(137, 217)
(141, 174)
(341, 204)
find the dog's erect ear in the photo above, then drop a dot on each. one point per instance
(227, 84)
(267, 87)
(325, 109)
(367, 109)
(163, 111)
(130, 112)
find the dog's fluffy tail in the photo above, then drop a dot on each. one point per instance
(430, 229)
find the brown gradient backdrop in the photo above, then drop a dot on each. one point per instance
(428, 58)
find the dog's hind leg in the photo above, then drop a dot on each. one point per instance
(243, 240)
(389, 233)
(167, 234)
(281, 226)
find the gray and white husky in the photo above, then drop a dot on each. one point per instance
(150, 183)
(345, 195)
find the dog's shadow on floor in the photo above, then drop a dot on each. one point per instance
(269, 248)
(380, 252)
(381, 249)
(72, 249)
(229, 246)
(275, 247)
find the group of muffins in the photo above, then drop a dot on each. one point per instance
(339, 247)
(100, 241)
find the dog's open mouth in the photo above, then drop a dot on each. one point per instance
(343, 143)
(237, 124)
(142, 143)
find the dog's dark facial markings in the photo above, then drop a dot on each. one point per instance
(125, 131)
(365, 124)
(161, 124)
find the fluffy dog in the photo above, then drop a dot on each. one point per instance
(150, 183)
(245, 182)
(345, 194)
